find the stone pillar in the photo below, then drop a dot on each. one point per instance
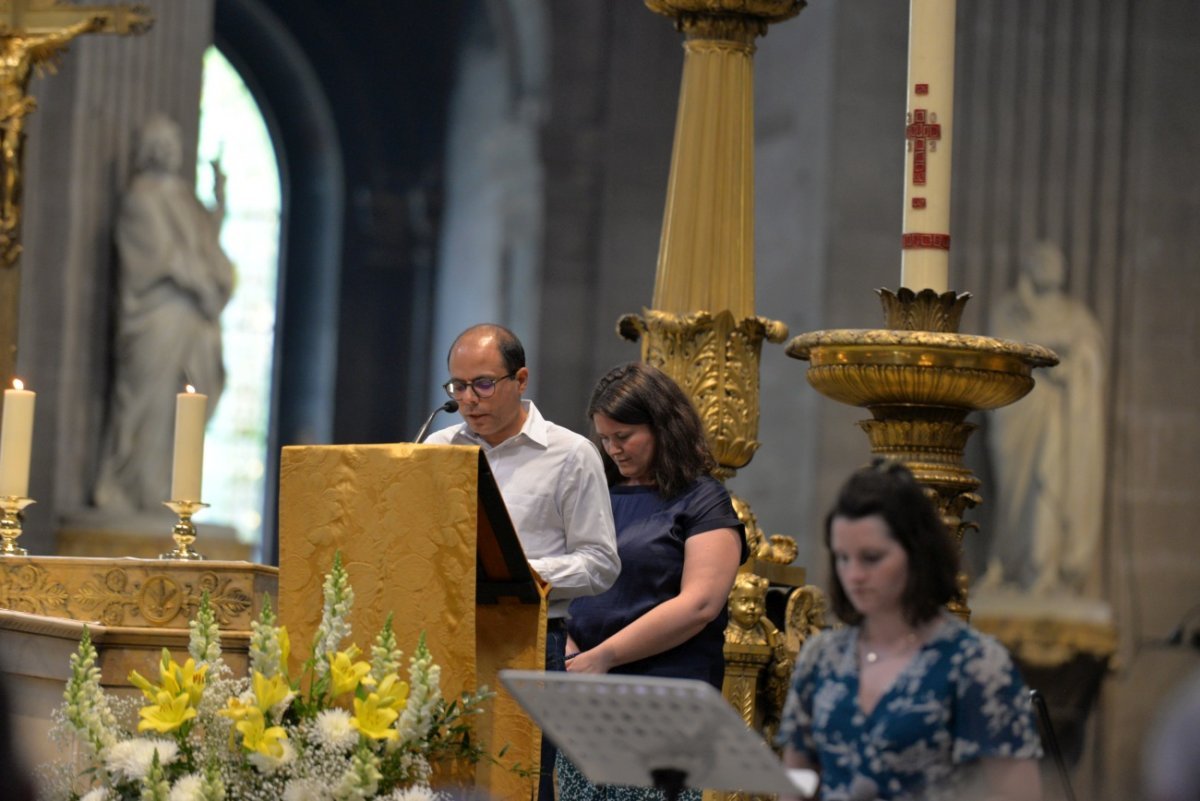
(77, 163)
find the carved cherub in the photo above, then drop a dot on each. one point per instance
(749, 625)
(777, 548)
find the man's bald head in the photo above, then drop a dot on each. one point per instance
(512, 352)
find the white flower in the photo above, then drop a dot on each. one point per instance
(188, 788)
(131, 759)
(305, 790)
(99, 794)
(270, 764)
(334, 730)
(417, 792)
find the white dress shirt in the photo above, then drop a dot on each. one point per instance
(554, 487)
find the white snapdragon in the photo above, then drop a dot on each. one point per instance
(266, 653)
(424, 695)
(86, 706)
(385, 653)
(335, 615)
(361, 781)
(204, 636)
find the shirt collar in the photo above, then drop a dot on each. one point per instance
(536, 430)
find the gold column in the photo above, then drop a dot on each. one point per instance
(701, 328)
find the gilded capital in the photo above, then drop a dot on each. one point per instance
(714, 358)
(764, 12)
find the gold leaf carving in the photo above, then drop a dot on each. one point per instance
(30, 588)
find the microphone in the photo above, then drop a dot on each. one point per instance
(448, 406)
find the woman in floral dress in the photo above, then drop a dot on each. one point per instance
(906, 701)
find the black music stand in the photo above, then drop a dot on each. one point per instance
(651, 732)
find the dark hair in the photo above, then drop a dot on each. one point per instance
(637, 394)
(887, 488)
(512, 352)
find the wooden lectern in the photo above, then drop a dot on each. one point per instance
(423, 534)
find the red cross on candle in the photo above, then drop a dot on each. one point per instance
(922, 128)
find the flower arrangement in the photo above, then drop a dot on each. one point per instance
(347, 728)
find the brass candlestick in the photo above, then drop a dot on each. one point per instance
(920, 379)
(10, 524)
(184, 532)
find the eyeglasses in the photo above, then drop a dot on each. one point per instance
(483, 387)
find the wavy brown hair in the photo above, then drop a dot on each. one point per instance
(638, 394)
(888, 489)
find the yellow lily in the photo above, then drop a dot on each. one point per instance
(272, 691)
(187, 678)
(260, 738)
(174, 679)
(345, 674)
(392, 692)
(373, 720)
(236, 709)
(171, 712)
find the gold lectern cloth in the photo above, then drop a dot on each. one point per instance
(405, 520)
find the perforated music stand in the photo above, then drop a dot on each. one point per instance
(649, 732)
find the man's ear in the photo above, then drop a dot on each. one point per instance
(522, 377)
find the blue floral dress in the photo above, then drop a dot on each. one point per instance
(959, 700)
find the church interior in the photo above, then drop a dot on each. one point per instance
(447, 162)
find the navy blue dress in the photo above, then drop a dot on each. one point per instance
(651, 532)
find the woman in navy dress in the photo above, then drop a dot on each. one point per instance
(906, 701)
(680, 544)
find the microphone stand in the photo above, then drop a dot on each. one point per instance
(448, 406)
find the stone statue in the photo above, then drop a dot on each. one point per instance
(749, 625)
(1048, 450)
(173, 282)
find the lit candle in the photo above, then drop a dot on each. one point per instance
(925, 259)
(16, 440)
(190, 408)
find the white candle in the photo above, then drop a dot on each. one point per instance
(190, 408)
(925, 259)
(16, 440)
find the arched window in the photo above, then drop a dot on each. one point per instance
(234, 134)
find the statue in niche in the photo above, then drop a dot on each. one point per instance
(173, 282)
(1048, 450)
(749, 625)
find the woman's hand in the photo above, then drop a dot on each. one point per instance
(593, 661)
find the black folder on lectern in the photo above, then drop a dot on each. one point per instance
(502, 572)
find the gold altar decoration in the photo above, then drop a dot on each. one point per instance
(135, 592)
(919, 386)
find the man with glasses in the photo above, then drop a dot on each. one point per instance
(551, 478)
